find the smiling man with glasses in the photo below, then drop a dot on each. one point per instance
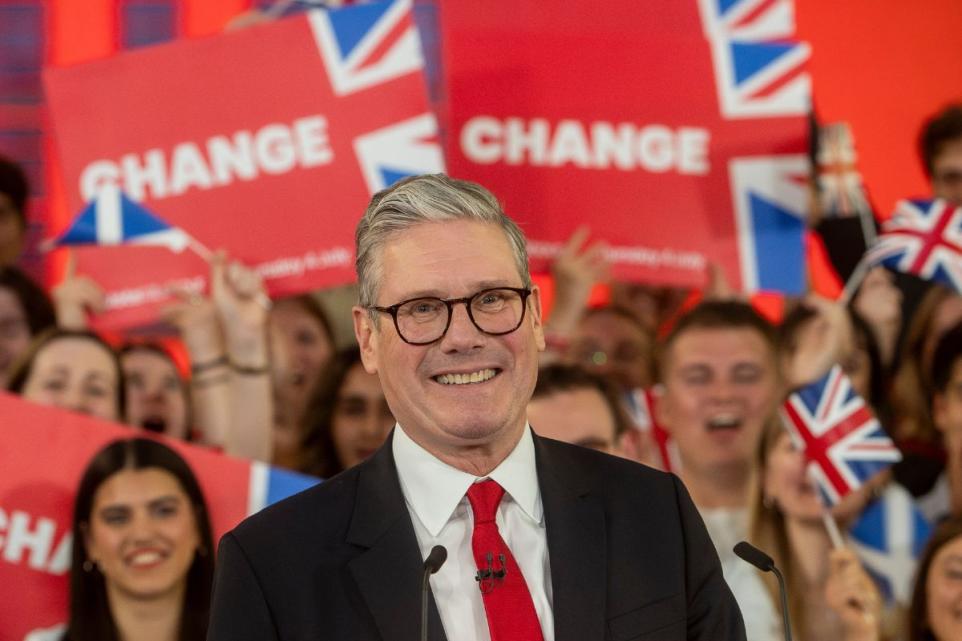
(545, 541)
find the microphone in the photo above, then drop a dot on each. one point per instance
(432, 564)
(748, 552)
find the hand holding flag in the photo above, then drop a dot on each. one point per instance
(843, 443)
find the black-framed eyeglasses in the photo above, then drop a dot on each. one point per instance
(495, 311)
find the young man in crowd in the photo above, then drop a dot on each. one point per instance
(611, 342)
(720, 387)
(573, 405)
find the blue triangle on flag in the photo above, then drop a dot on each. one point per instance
(391, 176)
(138, 220)
(725, 5)
(83, 230)
(812, 393)
(941, 275)
(750, 58)
(353, 23)
(779, 246)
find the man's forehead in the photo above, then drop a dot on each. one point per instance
(714, 344)
(440, 255)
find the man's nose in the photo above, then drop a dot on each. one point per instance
(462, 333)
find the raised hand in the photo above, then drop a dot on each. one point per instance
(852, 595)
(820, 342)
(576, 269)
(76, 296)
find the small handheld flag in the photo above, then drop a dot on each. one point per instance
(112, 218)
(924, 238)
(843, 443)
(888, 537)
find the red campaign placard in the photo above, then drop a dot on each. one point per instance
(267, 142)
(43, 453)
(676, 130)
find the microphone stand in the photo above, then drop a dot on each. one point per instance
(432, 564)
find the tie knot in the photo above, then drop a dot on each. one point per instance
(485, 497)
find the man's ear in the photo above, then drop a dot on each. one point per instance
(534, 302)
(366, 333)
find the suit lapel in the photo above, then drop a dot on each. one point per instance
(388, 573)
(575, 523)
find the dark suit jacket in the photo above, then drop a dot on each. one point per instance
(630, 559)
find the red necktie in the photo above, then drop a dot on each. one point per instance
(507, 602)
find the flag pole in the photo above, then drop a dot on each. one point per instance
(200, 249)
(854, 281)
(207, 256)
(832, 528)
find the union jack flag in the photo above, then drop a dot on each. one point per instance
(841, 191)
(923, 237)
(408, 148)
(843, 443)
(759, 70)
(367, 44)
(770, 196)
(749, 19)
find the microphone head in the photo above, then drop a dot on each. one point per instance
(436, 558)
(748, 552)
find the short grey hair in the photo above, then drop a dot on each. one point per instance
(429, 198)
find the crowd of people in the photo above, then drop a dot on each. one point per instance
(689, 382)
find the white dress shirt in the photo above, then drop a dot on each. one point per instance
(435, 496)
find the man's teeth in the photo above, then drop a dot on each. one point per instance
(146, 558)
(464, 379)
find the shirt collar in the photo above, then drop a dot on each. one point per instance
(433, 488)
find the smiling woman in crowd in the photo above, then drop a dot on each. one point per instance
(74, 370)
(346, 419)
(143, 556)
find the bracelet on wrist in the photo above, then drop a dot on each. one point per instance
(204, 366)
(210, 381)
(247, 370)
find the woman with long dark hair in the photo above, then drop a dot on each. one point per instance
(143, 555)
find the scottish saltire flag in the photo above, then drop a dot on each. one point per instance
(114, 219)
(759, 70)
(841, 192)
(367, 44)
(269, 484)
(770, 196)
(843, 443)
(924, 238)
(888, 537)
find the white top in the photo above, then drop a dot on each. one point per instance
(726, 527)
(435, 496)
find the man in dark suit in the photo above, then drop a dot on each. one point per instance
(545, 541)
